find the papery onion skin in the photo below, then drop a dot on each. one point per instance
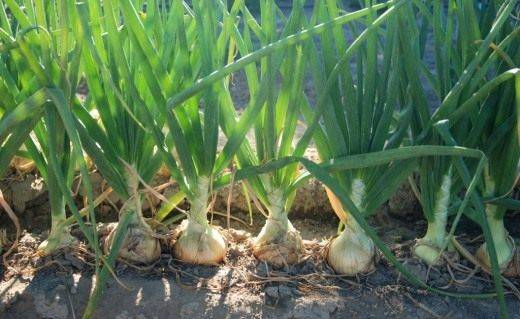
(138, 246)
(199, 244)
(351, 253)
(278, 245)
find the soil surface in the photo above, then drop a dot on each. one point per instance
(242, 287)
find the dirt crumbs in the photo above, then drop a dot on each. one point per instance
(242, 287)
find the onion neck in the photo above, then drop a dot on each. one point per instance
(199, 204)
(59, 236)
(436, 233)
(277, 209)
(352, 226)
(133, 205)
(357, 196)
(499, 234)
(429, 247)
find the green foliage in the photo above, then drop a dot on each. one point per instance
(159, 76)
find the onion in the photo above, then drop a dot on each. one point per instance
(59, 238)
(199, 243)
(427, 252)
(138, 245)
(278, 243)
(506, 253)
(429, 247)
(505, 246)
(352, 252)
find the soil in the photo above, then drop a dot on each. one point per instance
(242, 287)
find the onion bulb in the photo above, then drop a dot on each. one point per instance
(352, 252)
(198, 242)
(505, 247)
(138, 246)
(508, 258)
(278, 243)
(59, 238)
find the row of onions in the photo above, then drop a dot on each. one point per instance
(478, 81)
(159, 75)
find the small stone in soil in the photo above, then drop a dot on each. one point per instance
(262, 269)
(271, 292)
(285, 292)
(277, 294)
(314, 310)
(75, 262)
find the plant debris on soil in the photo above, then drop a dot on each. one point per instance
(242, 287)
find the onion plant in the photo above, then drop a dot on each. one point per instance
(494, 130)
(360, 113)
(457, 31)
(122, 149)
(40, 71)
(278, 243)
(500, 142)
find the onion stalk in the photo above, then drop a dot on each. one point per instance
(117, 142)
(35, 61)
(278, 242)
(356, 107)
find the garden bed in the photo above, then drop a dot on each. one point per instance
(59, 286)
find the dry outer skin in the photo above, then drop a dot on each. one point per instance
(19, 190)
